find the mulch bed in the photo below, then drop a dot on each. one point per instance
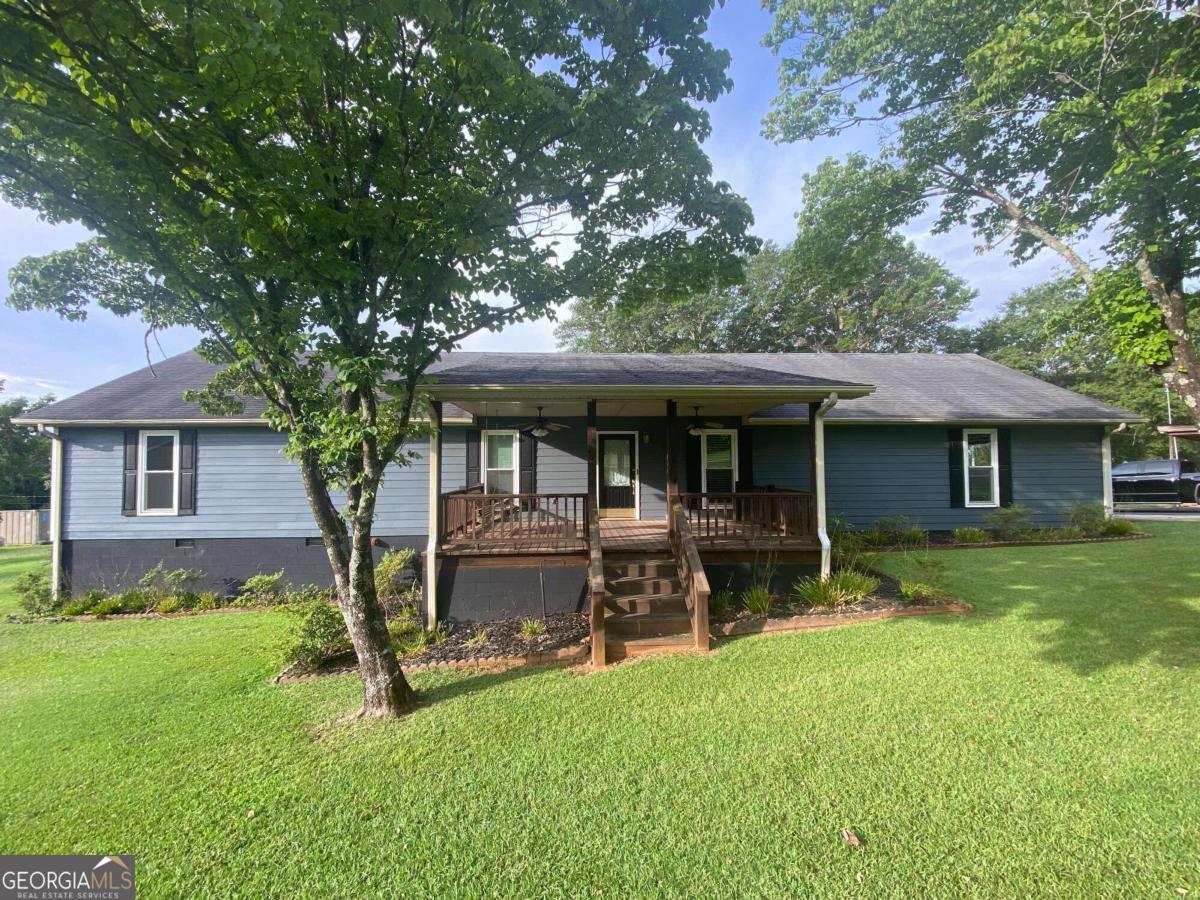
(885, 602)
(567, 639)
(944, 540)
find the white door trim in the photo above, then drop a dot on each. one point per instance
(637, 469)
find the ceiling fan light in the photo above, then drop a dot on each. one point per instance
(695, 430)
(539, 431)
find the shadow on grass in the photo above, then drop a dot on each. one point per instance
(1104, 610)
(467, 683)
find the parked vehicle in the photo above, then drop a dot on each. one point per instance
(1156, 481)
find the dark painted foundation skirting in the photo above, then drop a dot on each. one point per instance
(226, 562)
(737, 577)
(469, 592)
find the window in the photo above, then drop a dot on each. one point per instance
(718, 456)
(500, 455)
(981, 467)
(158, 473)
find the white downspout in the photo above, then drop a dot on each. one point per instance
(1106, 466)
(435, 524)
(819, 488)
(56, 507)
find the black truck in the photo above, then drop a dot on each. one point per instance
(1156, 481)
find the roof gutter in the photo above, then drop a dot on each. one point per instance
(641, 391)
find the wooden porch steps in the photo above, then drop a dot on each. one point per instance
(645, 610)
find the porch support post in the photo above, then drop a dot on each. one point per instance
(672, 475)
(817, 450)
(435, 512)
(593, 494)
(56, 508)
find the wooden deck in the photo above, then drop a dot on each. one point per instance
(624, 536)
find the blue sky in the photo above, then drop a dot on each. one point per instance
(41, 354)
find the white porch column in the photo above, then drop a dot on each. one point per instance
(56, 508)
(435, 513)
(1106, 471)
(818, 469)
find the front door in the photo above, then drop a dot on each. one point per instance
(618, 476)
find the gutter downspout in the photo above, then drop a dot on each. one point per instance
(56, 506)
(1106, 466)
(819, 488)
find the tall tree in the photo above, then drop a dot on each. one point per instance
(1056, 121)
(847, 282)
(24, 456)
(336, 192)
(1049, 331)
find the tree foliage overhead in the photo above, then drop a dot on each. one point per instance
(24, 456)
(848, 282)
(1054, 123)
(1049, 331)
(336, 191)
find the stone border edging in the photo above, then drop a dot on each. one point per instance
(576, 653)
(988, 545)
(814, 623)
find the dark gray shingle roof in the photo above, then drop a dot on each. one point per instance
(909, 386)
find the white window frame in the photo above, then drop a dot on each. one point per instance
(484, 468)
(733, 445)
(142, 471)
(994, 441)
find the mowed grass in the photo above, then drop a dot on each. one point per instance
(1046, 745)
(13, 562)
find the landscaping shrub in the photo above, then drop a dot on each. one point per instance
(895, 531)
(137, 600)
(758, 600)
(970, 535)
(1010, 522)
(839, 589)
(265, 590)
(720, 602)
(80, 606)
(395, 582)
(533, 627)
(168, 605)
(207, 600)
(109, 606)
(1089, 518)
(159, 583)
(1118, 527)
(919, 592)
(478, 640)
(34, 594)
(320, 632)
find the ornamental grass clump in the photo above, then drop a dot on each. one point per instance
(970, 535)
(839, 589)
(919, 592)
(1089, 518)
(1010, 523)
(758, 600)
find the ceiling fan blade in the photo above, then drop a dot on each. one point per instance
(714, 424)
(557, 426)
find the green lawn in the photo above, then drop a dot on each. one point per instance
(1046, 745)
(14, 561)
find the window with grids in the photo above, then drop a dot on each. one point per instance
(500, 474)
(158, 473)
(981, 468)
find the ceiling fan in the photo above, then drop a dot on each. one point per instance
(541, 426)
(697, 426)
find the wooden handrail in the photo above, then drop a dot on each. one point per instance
(757, 515)
(596, 585)
(691, 572)
(473, 517)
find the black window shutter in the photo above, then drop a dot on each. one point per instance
(129, 484)
(473, 473)
(528, 461)
(187, 471)
(745, 459)
(954, 449)
(1004, 453)
(691, 454)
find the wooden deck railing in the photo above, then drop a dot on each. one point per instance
(691, 573)
(512, 518)
(759, 516)
(596, 585)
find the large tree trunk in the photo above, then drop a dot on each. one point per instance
(1164, 284)
(386, 692)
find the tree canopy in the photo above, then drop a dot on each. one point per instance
(848, 282)
(337, 192)
(24, 456)
(1049, 331)
(1061, 124)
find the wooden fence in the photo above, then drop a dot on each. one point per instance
(24, 526)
